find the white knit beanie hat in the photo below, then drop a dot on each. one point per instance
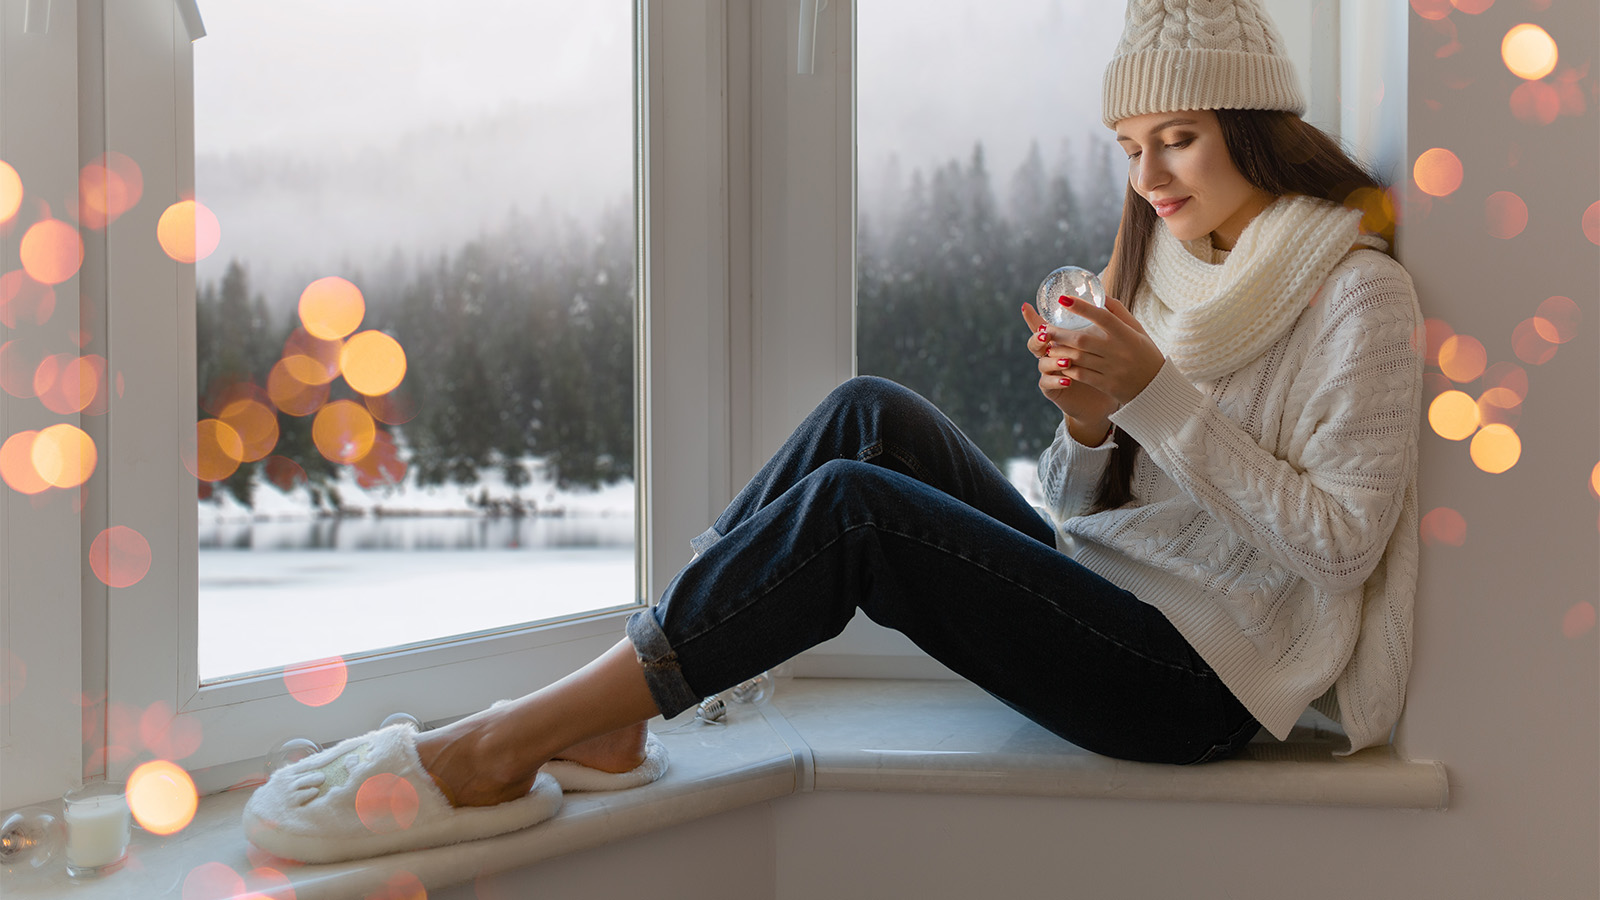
(1198, 54)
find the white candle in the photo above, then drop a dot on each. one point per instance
(97, 830)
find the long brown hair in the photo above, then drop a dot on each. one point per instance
(1278, 152)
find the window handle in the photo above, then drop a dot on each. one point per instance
(806, 55)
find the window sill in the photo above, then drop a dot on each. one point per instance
(929, 736)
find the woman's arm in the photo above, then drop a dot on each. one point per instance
(1325, 511)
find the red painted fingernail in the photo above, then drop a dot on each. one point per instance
(1066, 382)
(1063, 363)
(1066, 301)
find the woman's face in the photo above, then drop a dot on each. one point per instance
(1179, 163)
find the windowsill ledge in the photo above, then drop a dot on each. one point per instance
(930, 736)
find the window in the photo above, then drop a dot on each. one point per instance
(416, 329)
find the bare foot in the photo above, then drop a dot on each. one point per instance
(617, 751)
(477, 762)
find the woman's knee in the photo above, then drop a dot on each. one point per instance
(877, 395)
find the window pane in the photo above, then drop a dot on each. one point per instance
(415, 335)
(978, 175)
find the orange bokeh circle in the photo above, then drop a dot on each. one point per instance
(1462, 358)
(1558, 320)
(1444, 527)
(373, 363)
(65, 383)
(1453, 415)
(16, 464)
(10, 192)
(386, 803)
(162, 797)
(120, 556)
(1496, 448)
(291, 395)
(1438, 172)
(318, 682)
(1529, 51)
(1505, 214)
(51, 251)
(64, 455)
(218, 450)
(331, 308)
(257, 426)
(188, 231)
(343, 431)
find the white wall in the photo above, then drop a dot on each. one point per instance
(1508, 702)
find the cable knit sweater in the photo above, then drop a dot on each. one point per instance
(1274, 519)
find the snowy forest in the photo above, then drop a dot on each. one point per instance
(514, 341)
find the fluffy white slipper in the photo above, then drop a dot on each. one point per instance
(368, 796)
(578, 777)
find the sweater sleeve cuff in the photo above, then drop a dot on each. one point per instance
(1167, 404)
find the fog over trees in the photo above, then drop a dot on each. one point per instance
(517, 341)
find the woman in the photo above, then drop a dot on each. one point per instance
(1231, 490)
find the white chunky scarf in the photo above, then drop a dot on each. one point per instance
(1211, 318)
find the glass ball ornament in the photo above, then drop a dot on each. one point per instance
(1068, 281)
(401, 718)
(290, 752)
(753, 692)
(29, 838)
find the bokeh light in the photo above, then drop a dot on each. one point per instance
(1529, 345)
(212, 881)
(18, 363)
(218, 450)
(343, 431)
(401, 885)
(1444, 527)
(382, 466)
(108, 186)
(1437, 172)
(51, 251)
(394, 408)
(1472, 7)
(1453, 415)
(257, 426)
(269, 884)
(386, 803)
(1558, 320)
(1437, 331)
(1507, 375)
(1536, 103)
(1377, 209)
(1591, 223)
(10, 192)
(64, 455)
(291, 395)
(167, 735)
(65, 383)
(284, 473)
(1505, 214)
(162, 797)
(310, 359)
(373, 363)
(1529, 51)
(1431, 9)
(331, 308)
(25, 301)
(1579, 620)
(188, 231)
(1594, 481)
(1496, 448)
(1462, 358)
(16, 464)
(120, 556)
(318, 682)
(1499, 405)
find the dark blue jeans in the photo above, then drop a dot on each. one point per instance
(878, 502)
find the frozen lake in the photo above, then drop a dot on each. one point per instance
(406, 565)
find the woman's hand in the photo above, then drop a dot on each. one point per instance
(1114, 360)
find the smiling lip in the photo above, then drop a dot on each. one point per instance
(1166, 208)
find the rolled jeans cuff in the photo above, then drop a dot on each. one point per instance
(703, 543)
(662, 675)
